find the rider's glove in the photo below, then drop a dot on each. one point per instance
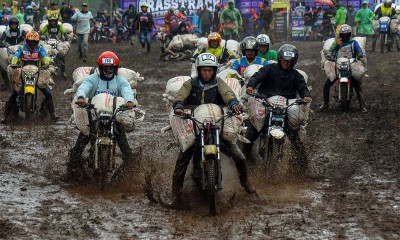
(178, 111)
(80, 101)
(130, 105)
(237, 108)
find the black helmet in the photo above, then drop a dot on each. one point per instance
(249, 43)
(288, 52)
(14, 20)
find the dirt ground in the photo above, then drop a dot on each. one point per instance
(354, 157)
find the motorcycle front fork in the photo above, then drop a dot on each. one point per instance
(217, 161)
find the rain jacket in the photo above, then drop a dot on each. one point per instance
(241, 64)
(7, 39)
(274, 80)
(195, 92)
(117, 87)
(231, 16)
(340, 17)
(364, 18)
(383, 11)
(36, 57)
(269, 55)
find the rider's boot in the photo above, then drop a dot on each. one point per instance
(75, 161)
(246, 150)
(52, 111)
(148, 47)
(43, 107)
(243, 176)
(177, 186)
(325, 104)
(7, 111)
(361, 100)
(127, 154)
(143, 44)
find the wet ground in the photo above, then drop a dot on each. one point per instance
(354, 158)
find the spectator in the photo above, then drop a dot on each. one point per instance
(181, 15)
(5, 17)
(351, 19)
(83, 19)
(364, 18)
(3, 6)
(206, 20)
(231, 20)
(14, 8)
(196, 22)
(20, 15)
(308, 22)
(130, 15)
(169, 19)
(66, 13)
(216, 16)
(266, 17)
(314, 28)
(340, 17)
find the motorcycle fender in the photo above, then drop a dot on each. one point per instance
(104, 141)
(343, 80)
(210, 150)
(29, 89)
(277, 133)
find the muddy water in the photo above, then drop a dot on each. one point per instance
(354, 193)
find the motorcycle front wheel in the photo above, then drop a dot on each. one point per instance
(345, 97)
(211, 185)
(28, 106)
(178, 57)
(103, 177)
(382, 35)
(274, 153)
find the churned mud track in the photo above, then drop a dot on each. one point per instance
(354, 156)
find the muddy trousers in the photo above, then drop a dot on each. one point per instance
(229, 149)
(390, 39)
(6, 81)
(357, 87)
(47, 102)
(75, 154)
(83, 44)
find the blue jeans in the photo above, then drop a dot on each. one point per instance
(145, 36)
(83, 44)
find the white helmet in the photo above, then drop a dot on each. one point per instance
(263, 39)
(206, 60)
(387, 3)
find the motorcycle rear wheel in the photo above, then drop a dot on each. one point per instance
(28, 106)
(345, 97)
(274, 153)
(211, 185)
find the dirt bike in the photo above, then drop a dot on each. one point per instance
(344, 87)
(27, 97)
(103, 131)
(122, 32)
(273, 133)
(385, 34)
(207, 131)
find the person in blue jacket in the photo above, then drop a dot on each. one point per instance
(107, 81)
(249, 47)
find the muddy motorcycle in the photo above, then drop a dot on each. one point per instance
(344, 88)
(53, 42)
(208, 133)
(386, 37)
(103, 131)
(273, 133)
(97, 32)
(27, 97)
(122, 32)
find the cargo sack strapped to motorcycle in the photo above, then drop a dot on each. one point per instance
(63, 48)
(182, 130)
(393, 25)
(232, 127)
(14, 74)
(297, 114)
(256, 112)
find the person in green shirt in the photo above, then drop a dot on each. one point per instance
(340, 17)
(231, 21)
(263, 48)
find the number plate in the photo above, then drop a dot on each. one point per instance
(278, 119)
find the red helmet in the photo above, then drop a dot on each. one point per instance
(108, 58)
(108, 65)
